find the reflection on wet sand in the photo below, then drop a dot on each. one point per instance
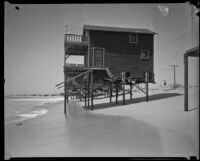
(105, 135)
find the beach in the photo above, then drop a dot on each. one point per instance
(158, 128)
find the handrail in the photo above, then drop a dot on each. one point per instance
(76, 38)
(74, 65)
(78, 76)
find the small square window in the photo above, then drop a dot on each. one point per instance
(145, 54)
(132, 38)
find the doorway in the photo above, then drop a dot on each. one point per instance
(98, 57)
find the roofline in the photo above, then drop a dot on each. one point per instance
(192, 49)
(152, 33)
(192, 52)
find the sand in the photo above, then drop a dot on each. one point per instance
(158, 128)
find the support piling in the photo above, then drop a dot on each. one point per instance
(147, 85)
(92, 84)
(116, 89)
(185, 83)
(110, 92)
(88, 89)
(131, 94)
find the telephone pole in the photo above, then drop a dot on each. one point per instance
(174, 66)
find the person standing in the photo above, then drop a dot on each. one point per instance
(165, 83)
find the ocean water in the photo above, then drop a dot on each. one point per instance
(17, 109)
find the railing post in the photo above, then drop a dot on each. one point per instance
(76, 38)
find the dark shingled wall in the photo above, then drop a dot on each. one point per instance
(120, 55)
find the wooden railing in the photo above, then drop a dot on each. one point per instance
(74, 65)
(76, 38)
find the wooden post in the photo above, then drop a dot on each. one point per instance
(88, 34)
(65, 83)
(147, 86)
(185, 83)
(65, 94)
(116, 89)
(80, 97)
(85, 94)
(65, 101)
(107, 92)
(123, 86)
(88, 88)
(92, 83)
(131, 88)
(110, 92)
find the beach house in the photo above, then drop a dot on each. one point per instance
(109, 54)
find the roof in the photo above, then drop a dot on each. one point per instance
(118, 29)
(192, 52)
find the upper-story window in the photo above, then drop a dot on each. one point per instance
(133, 38)
(145, 54)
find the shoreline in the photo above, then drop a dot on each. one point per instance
(25, 116)
(156, 128)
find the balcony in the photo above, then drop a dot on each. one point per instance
(74, 67)
(78, 39)
(76, 44)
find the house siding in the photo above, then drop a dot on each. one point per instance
(120, 55)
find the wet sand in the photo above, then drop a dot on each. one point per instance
(132, 130)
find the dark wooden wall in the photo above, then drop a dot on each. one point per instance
(120, 55)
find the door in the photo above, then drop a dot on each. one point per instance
(98, 57)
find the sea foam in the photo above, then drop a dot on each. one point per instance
(20, 109)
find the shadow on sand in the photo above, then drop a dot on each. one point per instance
(91, 134)
(196, 108)
(135, 100)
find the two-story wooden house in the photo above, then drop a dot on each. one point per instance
(109, 51)
(118, 49)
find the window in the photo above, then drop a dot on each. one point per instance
(145, 54)
(132, 38)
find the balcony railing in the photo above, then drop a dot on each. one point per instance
(74, 65)
(73, 38)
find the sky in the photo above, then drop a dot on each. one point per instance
(34, 40)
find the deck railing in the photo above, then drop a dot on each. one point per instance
(74, 65)
(76, 38)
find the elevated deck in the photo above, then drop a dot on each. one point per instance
(103, 73)
(76, 44)
(72, 70)
(76, 39)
